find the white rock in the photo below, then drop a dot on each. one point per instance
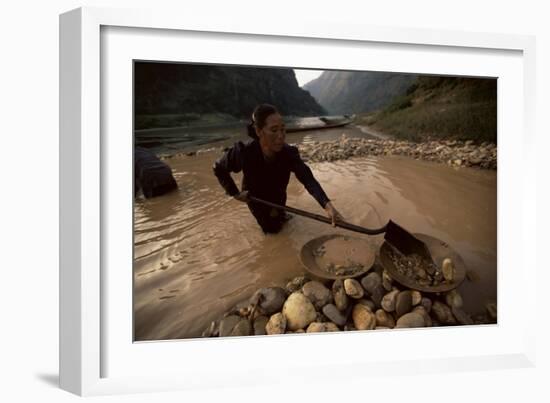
(298, 311)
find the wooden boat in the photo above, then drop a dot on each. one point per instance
(326, 122)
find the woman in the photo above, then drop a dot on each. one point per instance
(266, 162)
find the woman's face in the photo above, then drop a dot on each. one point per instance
(272, 135)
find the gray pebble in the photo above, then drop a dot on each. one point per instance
(332, 313)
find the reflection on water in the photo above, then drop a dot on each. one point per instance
(199, 252)
(172, 140)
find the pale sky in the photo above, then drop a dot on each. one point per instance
(305, 76)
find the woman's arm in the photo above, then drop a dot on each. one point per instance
(304, 175)
(231, 161)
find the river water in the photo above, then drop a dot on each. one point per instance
(198, 252)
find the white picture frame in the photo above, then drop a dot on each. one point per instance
(90, 340)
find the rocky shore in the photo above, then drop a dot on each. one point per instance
(451, 152)
(372, 302)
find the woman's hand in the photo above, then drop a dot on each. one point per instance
(243, 196)
(333, 214)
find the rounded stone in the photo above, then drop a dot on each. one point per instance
(377, 296)
(371, 282)
(296, 284)
(318, 294)
(386, 281)
(276, 324)
(443, 313)
(448, 269)
(367, 302)
(416, 297)
(353, 288)
(410, 320)
(389, 300)
(426, 303)
(403, 303)
(242, 328)
(298, 311)
(332, 313)
(331, 327)
(227, 324)
(363, 318)
(454, 299)
(259, 325)
(316, 327)
(384, 319)
(269, 300)
(421, 310)
(462, 317)
(339, 295)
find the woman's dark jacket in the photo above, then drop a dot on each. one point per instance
(263, 179)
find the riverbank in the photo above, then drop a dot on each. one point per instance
(451, 152)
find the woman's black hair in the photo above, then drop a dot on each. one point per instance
(259, 116)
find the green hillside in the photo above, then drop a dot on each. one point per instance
(441, 108)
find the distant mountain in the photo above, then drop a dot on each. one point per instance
(170, 88)
(343, 92)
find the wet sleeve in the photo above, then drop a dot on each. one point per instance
(304, 175)
(231, 161)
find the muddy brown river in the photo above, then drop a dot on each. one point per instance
(198, 252)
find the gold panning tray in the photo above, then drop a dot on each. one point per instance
(439, 251)
(337, 256)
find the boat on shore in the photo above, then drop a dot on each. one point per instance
(323, 122)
